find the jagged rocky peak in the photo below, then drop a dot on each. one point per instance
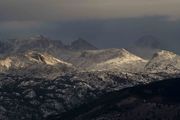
(37, 43)
(43, 40)
(81, 44)
(44, 58)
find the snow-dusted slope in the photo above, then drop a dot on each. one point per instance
(29, 59)
(86, 58)
(125, 61)
(44, 58)
(164, 61)
(6, 63)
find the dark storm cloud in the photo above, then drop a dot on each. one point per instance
(55, 10)
(33, 13)
(105, 23)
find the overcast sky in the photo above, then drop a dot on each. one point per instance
(112, 22)
(55, 10)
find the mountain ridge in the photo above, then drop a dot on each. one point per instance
(41, 43)
(29, 59)
(99, 60)
(43, 80)
(125, 61)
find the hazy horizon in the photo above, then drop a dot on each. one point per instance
(104, 23)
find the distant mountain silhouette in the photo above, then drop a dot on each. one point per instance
(148, 41)
(41, 43)
(81, 44)
(146, 46)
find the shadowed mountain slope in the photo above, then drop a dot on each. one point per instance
(156, 101)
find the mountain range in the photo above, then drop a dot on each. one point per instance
(42, 78)
(22, 53)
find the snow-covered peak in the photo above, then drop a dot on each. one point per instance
(125, 61)
(124, 52)
(164, 61)
(30, 59)
(126, 56)
(44, 58)
(165, 54)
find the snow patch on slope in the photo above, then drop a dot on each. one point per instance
(30, 59)
(6, 62)
(164, 61)
(124, 62)
(165, 54)
(44, 58)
